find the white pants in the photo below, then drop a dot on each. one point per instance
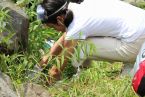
(112, 49)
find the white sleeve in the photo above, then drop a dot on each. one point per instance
(76, 31)
(75, 34)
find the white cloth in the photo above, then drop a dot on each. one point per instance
(139, 59)
(112, 18)
(112, 49)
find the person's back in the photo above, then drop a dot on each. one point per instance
(112, 18)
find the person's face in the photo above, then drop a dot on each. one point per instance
(59, 26)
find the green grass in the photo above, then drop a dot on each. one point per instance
(102, 79)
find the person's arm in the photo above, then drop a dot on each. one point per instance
(57, 48)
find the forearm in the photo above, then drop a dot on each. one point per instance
(63, 48)
(54, 51)
(63, 57)
(67, 56)
(57, 47)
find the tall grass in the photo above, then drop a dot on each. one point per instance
(102, 79)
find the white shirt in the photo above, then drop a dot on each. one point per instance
(111, 18)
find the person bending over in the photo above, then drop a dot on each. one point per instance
(115, 28)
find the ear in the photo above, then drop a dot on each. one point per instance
(60, 20)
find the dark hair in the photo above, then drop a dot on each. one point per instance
(68, 17)
(76, 1)
(51, 6)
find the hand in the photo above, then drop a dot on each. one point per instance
(54, 75)
(43, 61)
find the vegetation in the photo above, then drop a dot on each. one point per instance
(139, 4)
(101, 79)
